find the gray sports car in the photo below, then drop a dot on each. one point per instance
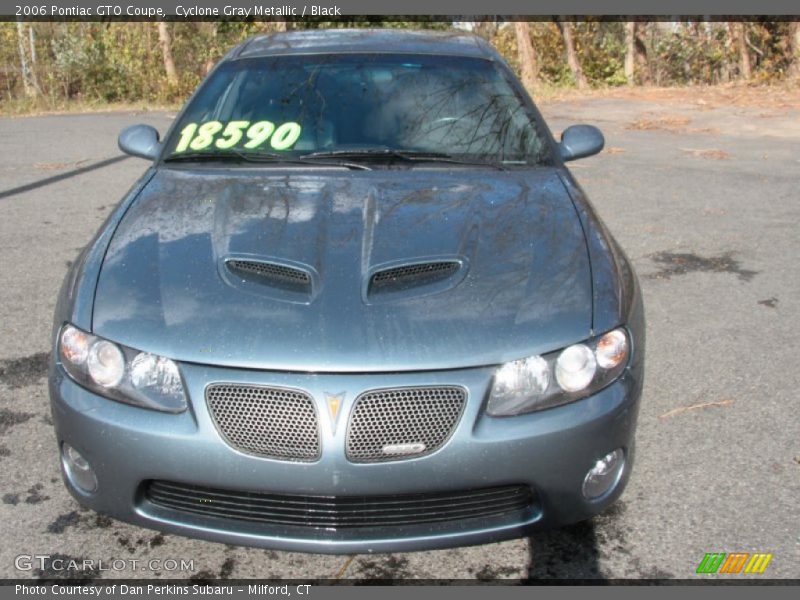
(356, 303)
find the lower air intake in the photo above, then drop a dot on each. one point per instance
(339, 512)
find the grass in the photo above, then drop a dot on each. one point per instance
(31, 107)
(776, 95)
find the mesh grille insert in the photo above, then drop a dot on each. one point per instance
(269, 270)
(402, 423)
(271, 422)
(414, 274)
(340, 512)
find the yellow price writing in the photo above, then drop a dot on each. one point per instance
(197, 136)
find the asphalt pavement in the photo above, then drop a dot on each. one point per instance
(705, 201)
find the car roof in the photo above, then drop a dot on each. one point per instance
(398, 41)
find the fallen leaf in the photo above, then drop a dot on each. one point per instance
(708, 130)
(663, 122)
(683, 409)
(769, 302)
(717, 212)
(714, 153)
(45, 166)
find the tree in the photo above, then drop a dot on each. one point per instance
(740, 37)
(27, 65)
(630, 52)
(32, 46)
(635, 54)
(165, 41)
(486, 28)
(208, 31)
(636, 63)
(794, 48)
(572, 56)
(527, 55)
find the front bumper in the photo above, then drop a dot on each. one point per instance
(550, 451)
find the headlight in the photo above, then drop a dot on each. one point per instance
(105, 364)
(121, 373)
(531, 374)
(559, 377)
(575, 368)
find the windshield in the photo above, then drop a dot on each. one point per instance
(362, 107)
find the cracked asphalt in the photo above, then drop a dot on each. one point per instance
(704, 200)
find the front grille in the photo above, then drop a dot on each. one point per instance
(267, 421)
(413, 274)
(403, 422)
(273, 272)
(339, 512)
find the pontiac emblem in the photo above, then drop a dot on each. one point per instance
(334, 402)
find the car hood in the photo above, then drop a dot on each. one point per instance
(517, 280)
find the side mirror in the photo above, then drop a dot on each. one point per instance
(580, 141)
(139, 140)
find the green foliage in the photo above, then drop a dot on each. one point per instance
(692, 53)
(602, 51)
(111, 62)
(772, 39)
(551, 51)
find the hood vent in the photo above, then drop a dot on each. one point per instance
(278, 275)
(400, 278)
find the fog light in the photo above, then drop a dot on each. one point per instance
(604, 475)
(78, 470)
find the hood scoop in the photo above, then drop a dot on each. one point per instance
(287, 278)
(415, 279)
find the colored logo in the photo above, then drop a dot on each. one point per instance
(734, 562)
(334, 402)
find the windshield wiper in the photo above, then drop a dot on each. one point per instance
(260, 157)
(393, 154)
